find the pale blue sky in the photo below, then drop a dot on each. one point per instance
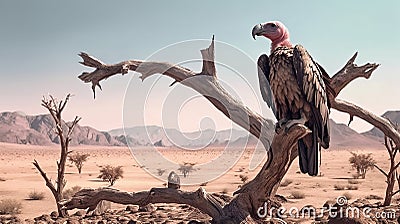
(40, 40)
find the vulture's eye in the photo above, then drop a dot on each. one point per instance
(273, 25)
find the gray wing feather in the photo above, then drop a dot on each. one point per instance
(265, 87)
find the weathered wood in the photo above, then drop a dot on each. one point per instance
(282, 151)
(89, 198)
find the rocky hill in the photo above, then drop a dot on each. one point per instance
(16, 127)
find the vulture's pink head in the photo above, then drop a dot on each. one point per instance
(275, 31)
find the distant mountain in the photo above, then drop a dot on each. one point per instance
(150, 135)
(393, 116)
(16, 127)
(343, 136)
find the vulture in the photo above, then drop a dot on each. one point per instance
(294, 86)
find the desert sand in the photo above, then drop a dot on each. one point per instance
(20, 177)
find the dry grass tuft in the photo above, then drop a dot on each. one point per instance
(286, 182)
(352, 187)
(348, 195)
(339, 187)
(35, 195)
(353, 181)
(297, 195)
(10, 207)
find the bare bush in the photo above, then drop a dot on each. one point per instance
(10, 207)
(78, 160)
(111, 174)
(35, 195)
(362, 163)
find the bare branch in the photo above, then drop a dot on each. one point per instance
(381, 123)
(380, 169)
(350, 72)
(49, 184)
(208, 60)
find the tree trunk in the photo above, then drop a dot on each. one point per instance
(281, 152)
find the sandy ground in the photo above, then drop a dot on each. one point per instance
(21, 177)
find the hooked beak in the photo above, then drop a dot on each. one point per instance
(257, 31)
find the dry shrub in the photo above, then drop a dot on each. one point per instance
(111, 174)
(67, 194)
(339, 187)
(352, 181)
(160, 172)
(243, 178)
(35, 195)
(348, 195)
(352, 187)
(187, 168)
(297, 195)
(10, 207)
(78, 160)
(373, 197)
(286, 182)
(362, 163)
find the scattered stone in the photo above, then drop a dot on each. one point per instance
(147, 208)
(80, 213)
(45, 218)
(132, 208)
(54, 215)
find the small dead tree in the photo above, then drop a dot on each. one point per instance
(55, 109)
(392, 176)
(78, 160)
(281, 151)
(111, 174)
(362, 163)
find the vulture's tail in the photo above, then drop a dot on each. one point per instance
(309, 150)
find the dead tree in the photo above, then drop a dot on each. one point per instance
(55, 109)
(392, 175)
(281, 151)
